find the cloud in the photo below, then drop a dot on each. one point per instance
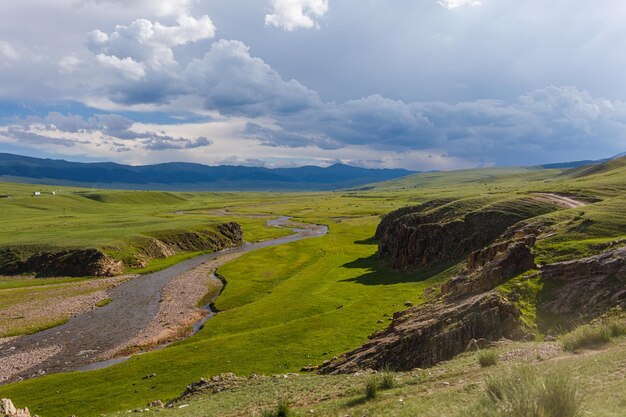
(231, 81)
(69, 64)
(127, 67)
(390, 91)
(296, 14)
(528, 130)
(7, 51)
(115, 131)
(160, 7)
(160, 143)
(245, 162)
(454, 4)
(143, 58)
(284, 114)
(147, 43)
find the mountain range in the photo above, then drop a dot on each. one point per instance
(183, 176)
(188, 176)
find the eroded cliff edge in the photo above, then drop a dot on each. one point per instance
(474, 305)
(97, 262)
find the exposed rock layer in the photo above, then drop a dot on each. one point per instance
(470, 306)
(408, 237)
(93, 262)
(491, 266)
(584, 288)
(425, 335)
(80, 262)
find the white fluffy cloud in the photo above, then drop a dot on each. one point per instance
(296, 14)
(127, 67)
(233, 82)
(453, 4)
(147, 43)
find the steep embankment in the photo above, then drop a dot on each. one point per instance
(474, 305)
(440, 231)
(95, 262)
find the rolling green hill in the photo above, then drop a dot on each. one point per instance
(297, 304)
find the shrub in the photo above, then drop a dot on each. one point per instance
(371, 387)
(522, 393)
(617, 327)
(387, 380)
(487, 358)
(593, 334)
(282, 409)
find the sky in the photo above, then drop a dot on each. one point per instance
(416, 84)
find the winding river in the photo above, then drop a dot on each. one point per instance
(80, 343)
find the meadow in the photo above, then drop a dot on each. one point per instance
(292, 305)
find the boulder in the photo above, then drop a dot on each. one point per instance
(7, 409)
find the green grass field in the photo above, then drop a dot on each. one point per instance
(292, 305)
(451, 389)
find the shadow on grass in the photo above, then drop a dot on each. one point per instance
(380, 273)
(356, 401)
(369, 241)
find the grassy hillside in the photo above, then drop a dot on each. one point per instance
(455, 388)
(113, 222)
(301, 303)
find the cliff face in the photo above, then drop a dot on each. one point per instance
(471, 307)
(93, 262)
(584, 288)
(489, 267)
(408, 238)
(80, 262)
(425, 335)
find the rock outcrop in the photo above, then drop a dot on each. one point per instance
(94, 262)
(584, 288)
(80, 262)
(215, 384)
(471, 308)
(7, 409)
(389, 218)
(425, 335)
(489, 267)
(411, 237)
(228, 235)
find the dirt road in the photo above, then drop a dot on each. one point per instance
(561, 200)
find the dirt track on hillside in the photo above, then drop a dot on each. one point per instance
(135, 316)
(561, 200)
